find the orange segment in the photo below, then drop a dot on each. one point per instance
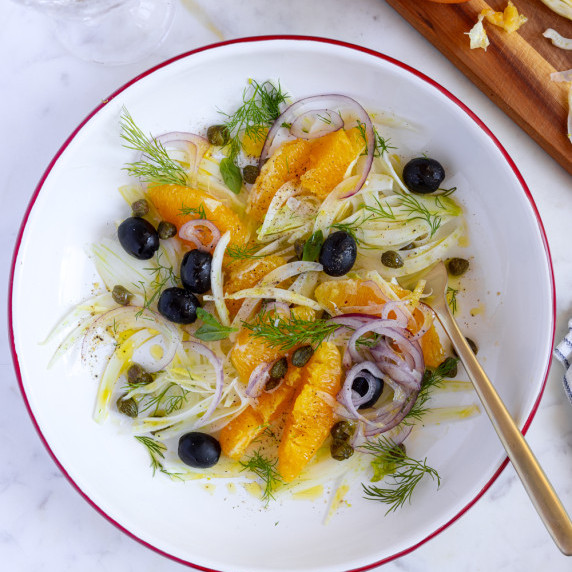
(335, 295)
(243, 274)
(287, 163)
(170, 199)
(330, 158)
(250, 351)
(345, 295)
(252, 143)
(240, 432)
(311, 418)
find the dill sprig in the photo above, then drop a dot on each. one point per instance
(162, 276)
(172, 398)
(285, 334)
(200, 211)
(156, 166)
(260, 108)
(407, 474)
(431, 380)
(156, 451)
(243, 252)
(452, 298)
(380, 144)
(266, 470)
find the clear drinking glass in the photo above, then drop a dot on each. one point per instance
(110, 32)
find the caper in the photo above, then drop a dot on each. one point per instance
(136, 375)
(342, 431)
(299, 248)
(472, 345)
(127, 406)
(341, 450)
(218, 135)
(271, 384)
(279, 369)
(166, 230)
(391, 259)
(409, 246)
(249, 174)
(301, 356)
(121, 295)
(457, 266)
(140, 207)
(450, 366)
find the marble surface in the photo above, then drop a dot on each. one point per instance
(46, 92)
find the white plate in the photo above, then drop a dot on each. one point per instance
(77, 201)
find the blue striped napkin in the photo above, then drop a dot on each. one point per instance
(563, 353)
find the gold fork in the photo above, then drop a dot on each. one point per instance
(531, 474)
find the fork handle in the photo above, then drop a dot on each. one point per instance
(531, 474)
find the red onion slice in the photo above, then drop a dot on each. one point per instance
(346, 105)
(219, 372)
(316, 123)
(191, 145)
(191, 232)
(258, 379)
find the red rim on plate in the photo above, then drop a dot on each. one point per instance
(381, 56)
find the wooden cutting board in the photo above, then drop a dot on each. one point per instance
(515, 70)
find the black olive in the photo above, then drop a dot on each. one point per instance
(342, 431)
(338, 253)
(127, 406)
(166, 230)
(199, 450)
(301, 356)
(140, 207)
(391, 259)
(341, 450)
(218, 135)
(178, 305)
(457, 266)
(361, 385)
(121, 295)
(196, 271)
(138, 237)
(249, 174)
(423, 175)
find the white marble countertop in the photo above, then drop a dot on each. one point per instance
(45, 92)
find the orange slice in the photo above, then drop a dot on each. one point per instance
(169, 200)
(311, 418)
(286, 164)
(330, 157)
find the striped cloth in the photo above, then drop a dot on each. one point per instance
(563, 353)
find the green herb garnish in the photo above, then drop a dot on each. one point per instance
(431, 380)
(407, 474)
(156, 166)
(162, 277)
(313, 246)
(231, 175)
(260, 108)
(211, 330)
(266, 470)
(171, 399)
(452, 298)
(243, 252)
(156, 451)
(288, 333)
(200, 211)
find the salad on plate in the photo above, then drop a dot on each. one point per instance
(252, 325)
